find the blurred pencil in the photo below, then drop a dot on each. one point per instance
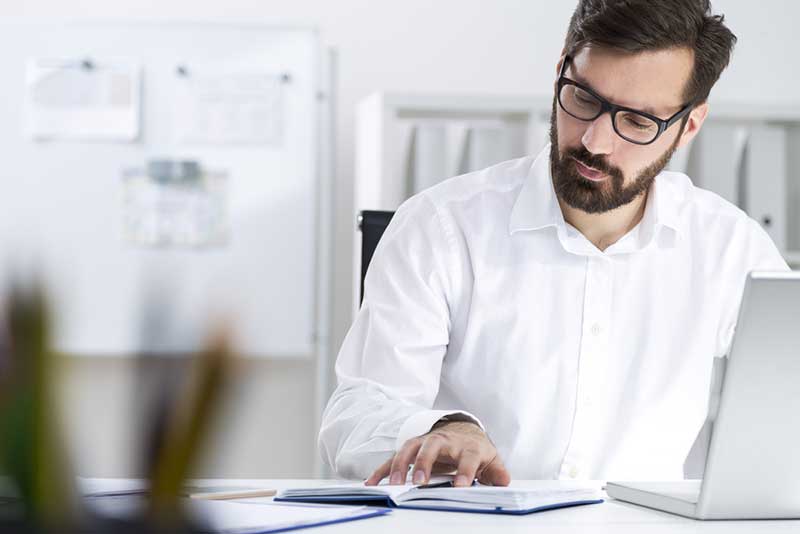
(232, 493)
(33, 453)
(187, 427)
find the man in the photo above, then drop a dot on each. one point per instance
(569, 306)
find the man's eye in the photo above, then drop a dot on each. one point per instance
(638, 124)
(584, 98)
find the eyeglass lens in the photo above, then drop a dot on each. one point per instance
(585, 106)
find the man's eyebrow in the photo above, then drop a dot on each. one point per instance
(581, 80)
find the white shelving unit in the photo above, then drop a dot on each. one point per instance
(749, 154)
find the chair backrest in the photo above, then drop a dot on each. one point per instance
(372, 224)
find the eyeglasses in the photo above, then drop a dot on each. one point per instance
(634, 126)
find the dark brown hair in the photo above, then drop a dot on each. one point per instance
(651, 25)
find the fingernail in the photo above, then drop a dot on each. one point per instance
(461, 480)
(419, 477)
(397, 478)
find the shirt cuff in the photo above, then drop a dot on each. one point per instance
(422, 422)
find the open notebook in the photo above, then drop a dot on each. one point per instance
(478, 498)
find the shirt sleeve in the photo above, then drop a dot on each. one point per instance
(759, 254)
(763, 254)
(389, 366)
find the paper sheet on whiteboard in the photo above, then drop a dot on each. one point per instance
(229, 109)
(177, 213)
(74, 99)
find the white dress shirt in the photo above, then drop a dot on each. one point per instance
(579, 363)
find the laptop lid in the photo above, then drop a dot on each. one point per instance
(753, 465)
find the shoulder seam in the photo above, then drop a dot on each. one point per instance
(449, 237)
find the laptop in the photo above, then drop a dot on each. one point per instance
(752, 468)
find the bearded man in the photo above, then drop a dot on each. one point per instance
(568, 305)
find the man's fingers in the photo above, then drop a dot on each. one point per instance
(426, 457)
(495, 473)
(464, 447)
(468, 463)
(380, 473)
(403, 459)
(443, 467)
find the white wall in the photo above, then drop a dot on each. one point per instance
(472, 46)
(264, 427)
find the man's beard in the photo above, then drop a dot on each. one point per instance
(597, 197)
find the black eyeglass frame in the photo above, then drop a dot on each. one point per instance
(613, 109)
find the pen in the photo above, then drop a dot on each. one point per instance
(447, 484)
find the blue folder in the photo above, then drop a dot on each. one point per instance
(374, 512)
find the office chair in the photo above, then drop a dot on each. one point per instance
(371, 224)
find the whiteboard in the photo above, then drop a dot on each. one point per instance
(61, 201)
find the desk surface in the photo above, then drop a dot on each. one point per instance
(610, 516)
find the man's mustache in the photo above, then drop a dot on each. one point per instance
(594, 161)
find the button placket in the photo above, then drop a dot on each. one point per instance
(591, 365)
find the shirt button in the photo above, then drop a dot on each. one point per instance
(596, 329)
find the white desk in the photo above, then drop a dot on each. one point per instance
(610, 516)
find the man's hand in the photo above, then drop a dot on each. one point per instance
(450, 445)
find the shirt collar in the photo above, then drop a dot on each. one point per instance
(663, 206)
(536, 206)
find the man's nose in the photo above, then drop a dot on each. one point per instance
(599, 137)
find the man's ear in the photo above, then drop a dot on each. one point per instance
(558, 67)
(561, 60)
(696, 118)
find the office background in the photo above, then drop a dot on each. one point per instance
(464, 46)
